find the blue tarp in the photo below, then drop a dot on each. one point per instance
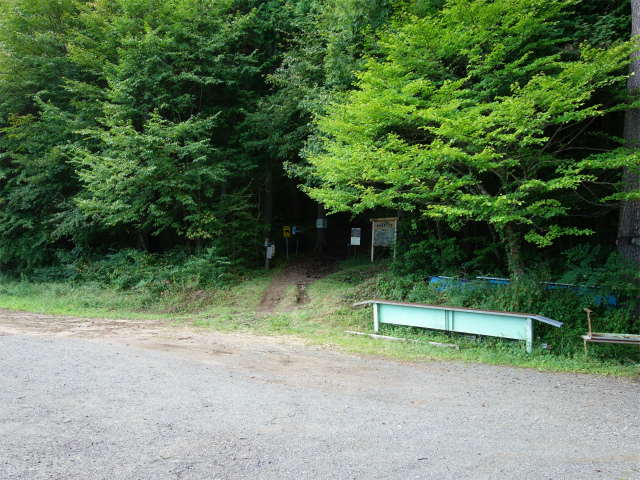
(593, 292)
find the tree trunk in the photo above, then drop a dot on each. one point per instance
(321, 233)
(297, 212)
(629, 223)
(268, 203)
(516, 269)
(496, 248)
(142, 242)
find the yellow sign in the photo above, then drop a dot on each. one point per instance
(287, 231)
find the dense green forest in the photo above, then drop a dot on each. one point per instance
(188, 131)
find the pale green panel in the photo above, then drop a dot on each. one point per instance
(491, 325)
(412, 317)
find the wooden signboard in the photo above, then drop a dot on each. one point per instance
(383, 233)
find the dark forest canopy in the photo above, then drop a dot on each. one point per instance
(494, 127)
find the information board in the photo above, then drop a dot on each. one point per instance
(384, 232)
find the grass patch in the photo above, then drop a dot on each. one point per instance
(321, 321)
(99, 300)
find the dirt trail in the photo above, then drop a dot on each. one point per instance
(184, 339)
(301, 271)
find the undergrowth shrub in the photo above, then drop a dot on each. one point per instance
(612, 274)
(430, 255)
(358, 270)
(139, 271)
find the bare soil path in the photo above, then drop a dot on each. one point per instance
(103, 399)
(299, 273)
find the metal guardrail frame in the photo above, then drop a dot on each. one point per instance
(493, 323)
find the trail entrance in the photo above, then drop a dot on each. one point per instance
(300, 272)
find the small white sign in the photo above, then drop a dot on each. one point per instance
(321, 223)
(356, 234)
(273, 251)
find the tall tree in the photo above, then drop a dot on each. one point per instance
(473, 113)
(36, 182)
(629, 224)
(174, 75)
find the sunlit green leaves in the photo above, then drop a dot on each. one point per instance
(470, 114)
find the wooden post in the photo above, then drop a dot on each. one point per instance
(373, 229)
(375, 317)
(395, 237)
(589, 312)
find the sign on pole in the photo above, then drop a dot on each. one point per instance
(267, 245)
(356, 234)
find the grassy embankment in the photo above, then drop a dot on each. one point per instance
(320, 321)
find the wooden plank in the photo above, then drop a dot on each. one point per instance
(481, 323)
(411, 317)
(376, 318)
(386, 337)
(615, 335)
(619, 340)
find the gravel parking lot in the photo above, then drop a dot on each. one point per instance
(106, 399)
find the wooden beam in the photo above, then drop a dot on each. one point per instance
(388, 338)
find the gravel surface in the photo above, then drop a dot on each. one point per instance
(111, 406)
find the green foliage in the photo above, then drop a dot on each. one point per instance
(470, 115)
(35, 210)
(156, 124)
(329, 47)
(161, 178)
(598, 22)
(153, 162)
(131, 129)
(33, 41)
(36, 182)
(322, 320)
(239, 229)
(587, 265)
(430, 256)
(138, 271)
